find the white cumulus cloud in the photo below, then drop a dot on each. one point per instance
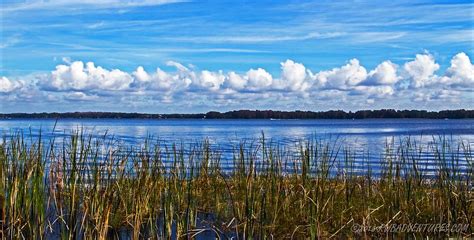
(294, 76)
(421, 71)
(461, 71)
(384, 74)
(348, 75)
(236, 81)
(76, 76)
(259, 79)
(159, 80)
(375, 91)
(7, 85)
(415, 81)
(211, 80)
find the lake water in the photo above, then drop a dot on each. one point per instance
(371, 132)
(368, 135)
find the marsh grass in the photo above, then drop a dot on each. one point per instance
(86, 187)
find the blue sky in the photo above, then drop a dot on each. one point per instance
(211, 39)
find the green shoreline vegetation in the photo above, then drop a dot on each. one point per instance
(85, 187)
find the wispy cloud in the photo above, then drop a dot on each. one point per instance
(54, 4)
(370, 37)
(96, 25)
(465, 35)
(221, 35)
(10, 41)
(255, 38)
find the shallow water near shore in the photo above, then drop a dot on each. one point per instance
(366, 138)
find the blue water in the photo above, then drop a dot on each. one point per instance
(365, 136)
(367, 132)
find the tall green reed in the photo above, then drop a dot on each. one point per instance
(92, 187)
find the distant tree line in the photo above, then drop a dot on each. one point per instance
(117, 115)
(338, 114)
(257, 114)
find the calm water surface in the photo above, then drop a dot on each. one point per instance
(368, 133)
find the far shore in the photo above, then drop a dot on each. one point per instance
(255, 114)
